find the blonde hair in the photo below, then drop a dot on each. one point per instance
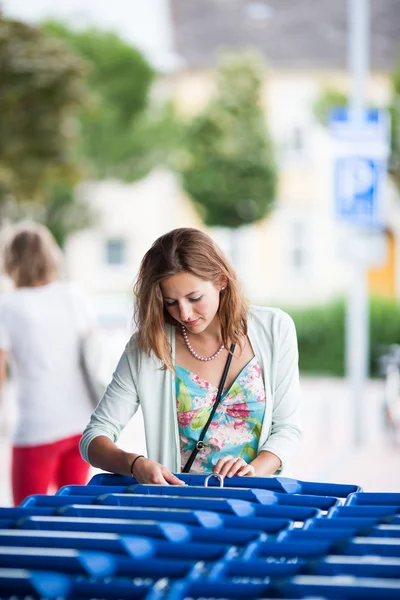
(184, 250)
(31, 255)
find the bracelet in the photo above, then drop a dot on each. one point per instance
(134, 460)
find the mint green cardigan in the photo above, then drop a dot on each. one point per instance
(138, 379)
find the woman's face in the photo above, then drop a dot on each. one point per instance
(191, 300)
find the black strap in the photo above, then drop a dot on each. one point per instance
(200, 444)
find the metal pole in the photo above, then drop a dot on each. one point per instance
(358, 55)
(357, 317)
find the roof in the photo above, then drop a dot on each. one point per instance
(289, 33)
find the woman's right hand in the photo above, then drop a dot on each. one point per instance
(146, 470)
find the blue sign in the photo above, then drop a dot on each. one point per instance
(360, 151)
(341, 116)
(357, 189)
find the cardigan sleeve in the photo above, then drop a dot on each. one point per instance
(118, 405)
(285, 432)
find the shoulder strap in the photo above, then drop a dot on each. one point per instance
(200, 444)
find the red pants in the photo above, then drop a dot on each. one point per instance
(40, 469)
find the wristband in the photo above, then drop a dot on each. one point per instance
(134, 460)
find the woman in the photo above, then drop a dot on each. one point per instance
(41, 323)
(189, 310)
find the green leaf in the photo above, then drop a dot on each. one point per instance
(200, 419)
(185, 400)
(257, 430)
(235, 389)
(250, 451)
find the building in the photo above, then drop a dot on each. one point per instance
(297, 256)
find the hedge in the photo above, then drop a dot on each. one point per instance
(321, 335)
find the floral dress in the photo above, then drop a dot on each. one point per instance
(236, 426)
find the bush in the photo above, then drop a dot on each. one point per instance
(321, 335)
(321, 338)
(384, 328)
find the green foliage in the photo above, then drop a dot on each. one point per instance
(384, 327)
(109, 60)
(394, 164)
(63, 213)
(117, 133)
(321, 335)
(72, 98)
(41, 88)
(152, 143)
(328, 99)
(228, 168)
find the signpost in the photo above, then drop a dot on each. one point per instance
(360, 142)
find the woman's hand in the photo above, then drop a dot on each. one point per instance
(146, 470)
(228, 466)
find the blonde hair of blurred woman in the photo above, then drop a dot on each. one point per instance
(31, 256)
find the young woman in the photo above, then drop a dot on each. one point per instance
(41, 322)
(189, 310)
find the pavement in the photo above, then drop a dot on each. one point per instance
(328, 452)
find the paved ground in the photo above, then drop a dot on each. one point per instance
(327, 452)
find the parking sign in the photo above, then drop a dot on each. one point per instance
(360, 154)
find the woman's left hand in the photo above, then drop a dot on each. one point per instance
(228, 466)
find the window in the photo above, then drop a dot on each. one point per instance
(297, 142)
(299, 247)
(115, 251)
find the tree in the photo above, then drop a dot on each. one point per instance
(117, 133)
(41, 88)
(394, 163)
(328, 99)
(229, 170)
(62, 211)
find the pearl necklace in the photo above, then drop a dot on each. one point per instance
(189, 347)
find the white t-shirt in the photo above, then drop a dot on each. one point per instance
(40, 328)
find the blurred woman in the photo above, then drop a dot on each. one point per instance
(217, 380)
(41, 323)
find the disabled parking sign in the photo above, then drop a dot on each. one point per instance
(360, 153)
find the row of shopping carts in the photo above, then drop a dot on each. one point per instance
(278, 538)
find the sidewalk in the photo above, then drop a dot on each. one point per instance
(327, 452)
